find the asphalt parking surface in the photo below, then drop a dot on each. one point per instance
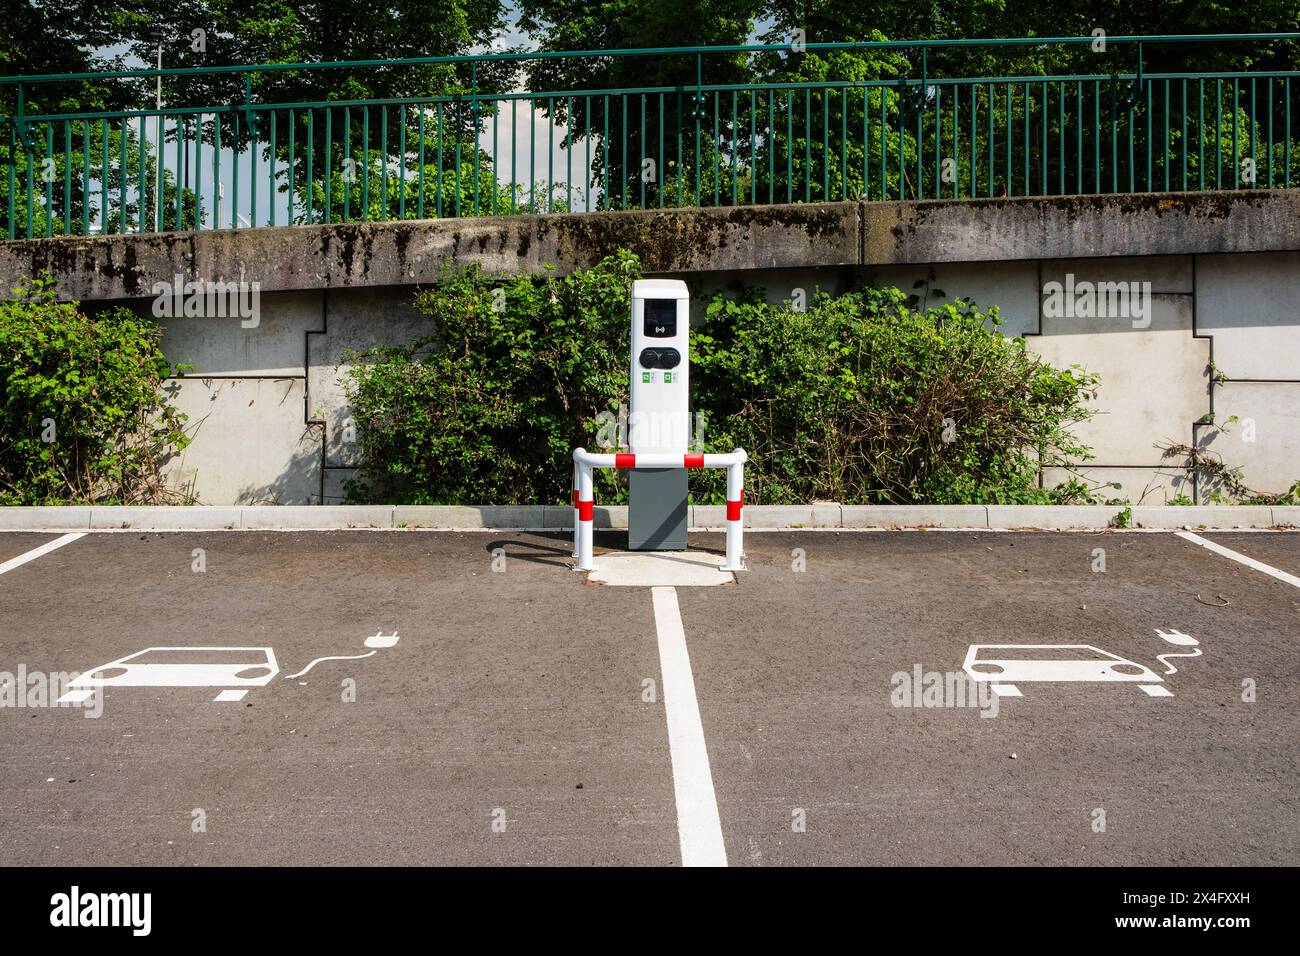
(519, 718)
(15, 543)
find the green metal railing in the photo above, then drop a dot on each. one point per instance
(916, 134)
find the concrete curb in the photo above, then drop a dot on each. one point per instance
(818, 516)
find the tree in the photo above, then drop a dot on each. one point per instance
(784, 143)
(635, 122)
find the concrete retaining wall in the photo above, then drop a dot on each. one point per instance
(271, 424)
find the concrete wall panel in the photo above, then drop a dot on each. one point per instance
(1145, 486)
(1264, 442)
(1165, 273)
(276, 346)
(250, 444)
(1251, 306)
(1153, 386)
(356, 320)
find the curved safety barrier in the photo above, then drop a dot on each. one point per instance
(584, 503)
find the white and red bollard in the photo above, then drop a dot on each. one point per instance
(584, 495)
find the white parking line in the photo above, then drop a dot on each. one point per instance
(698, 826)
(35, 553)
(1290, 579)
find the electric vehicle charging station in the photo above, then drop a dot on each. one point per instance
(658, 437)
(659, 413)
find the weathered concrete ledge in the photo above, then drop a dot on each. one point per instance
(360, 255)
(822, 515)
(1077, 227)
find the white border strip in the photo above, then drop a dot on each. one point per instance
(698, 826)
(1271, 571)
(35, 553)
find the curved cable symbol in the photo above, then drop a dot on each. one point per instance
(1179, 639)
(1164, 659)
(355, 657)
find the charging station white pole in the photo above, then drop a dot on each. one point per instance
(659, 404)
(659, 413)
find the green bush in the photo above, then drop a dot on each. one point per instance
(858, 398)
(83, 415)
(489, 406)
(861, 398)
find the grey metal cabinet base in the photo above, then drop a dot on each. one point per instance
(656, 514)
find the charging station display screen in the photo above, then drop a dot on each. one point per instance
(661, 318)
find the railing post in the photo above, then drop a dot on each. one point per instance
(575, 510)
(735, 517)
(698, 113)
(12, 174)
(473, 89)
(586, 514)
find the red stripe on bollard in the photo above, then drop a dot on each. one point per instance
(733, 510)
(694, 461)
(624, 461)
(575, 497)
(585, 510)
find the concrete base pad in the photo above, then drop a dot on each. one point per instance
(646, 569)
